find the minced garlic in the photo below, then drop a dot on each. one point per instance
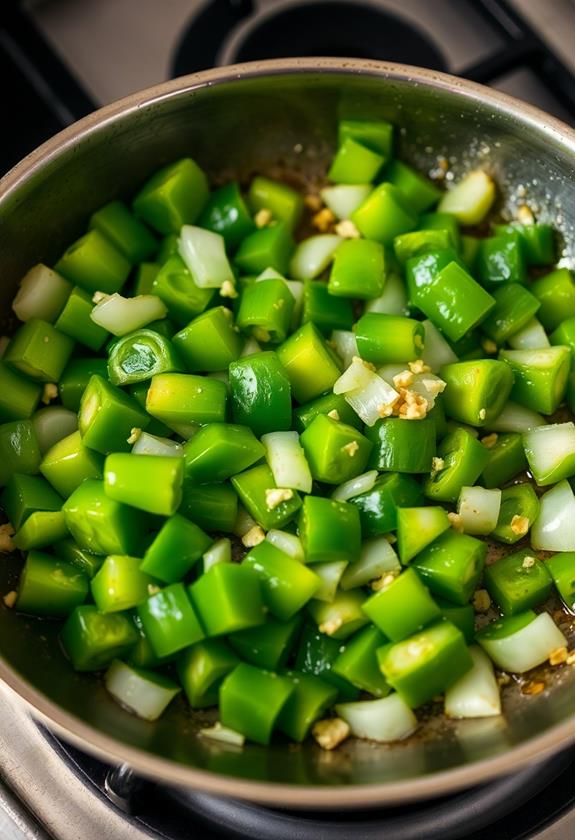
(403, 379)
(254, 536)
(533, 687)
(528, 562)
(383, 582)
(276, 495)
(329, 733)
(135, 434)
(520, 525)
(263, 217)
(49, 392)
(323, 220)
(10, 599)
(437, 464)
(313, 202)
(525, 215)
(331, 626)
(489, 345)
(489, 441)
(419, 366)
(456, 521)
(347, 230)
(228, 290)
(482, 414)
(351, 448)
(334, 414)
(481, 601)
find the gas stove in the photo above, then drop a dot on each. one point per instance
(62, 59)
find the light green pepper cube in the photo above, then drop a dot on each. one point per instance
(19, 450)
(39, 350)
(358, 270)
(341, 617)
(173, 196)
(68, 463)
(286, 583)
(150, 484)
(384, 215)
(75, 321)
(42, 528)
(91, 640)
(126, 233)
(311, 697)
(107, 416)
(329, 530)
(354, 163)
(309, 362)
(258, 493)
(334, 451)
(220, 450)
(175, 549)
(358, 663)
(93, 263)
(402, 607)
(284, 203)
(209, 342)
(201, 669)
(120, 584)
(182, 398)
(228, 598)
(49, 586)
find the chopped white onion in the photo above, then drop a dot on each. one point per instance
(355, 486)
(219, 552)
(393, 299)
(388, 371)
(476, 693)
(313, 255)
(42, 294)
(223, 734)
(120, 315)
(376, 559)
(387, 719)
(547, 448)
(345, 345)
(554, 528)
(288, 543)
(364, 391)
(526, 648)
(330, 576)
(52, 424)
(531, 337)
(470, 199)
(436, 350)
(287, 461)
(516, 418)
(204, 253)
(429, 385)
(146, 694)
(343, 199)
(479, 509)
(147, 444)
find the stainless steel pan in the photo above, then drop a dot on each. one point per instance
(278, 117)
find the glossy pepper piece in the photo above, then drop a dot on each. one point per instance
(182, 399)
(418, 242)
(500, 259)
(26, 494)
(175, 195)
(75, 378)
(537, 241)
(175, 549)
(170, 621)
(506, 460)
(120, 585)
(19, 450)
(476, 391)
(265, 310)
(132, 239)
(19, 396)
(358, 270)
(209, 342)
(514, 308)
(417, 527)
(354, 163)
(437, 222)
(220, 450)
(402, 607)
(384, 214)
(326, 311)
(102, 525)
(310, 698)
(268, 247)
(401, 445)
(94, 264)
(519, 510)
(150, 484)
(425, 664)
(49, 586)
(374, 134)
(140, 355)
(41, 529)
(68, 463)
(461, 460)
(565, 335)
(226, 213)
(561, 567)
(39, 350)
(419, 192)
(146, 273)
(253, 487)
(284, 203)
(316, 655)
(341, 617)
(540, 376)
(378, 507)
(310, 364)
(91, 640)
(107, 416)
(452, 566)
(251, 700)
(214, 507)
(228, 598)
(202, 668)
(176, 287)
(72, 553)
(358, 663)
(518, 582)
(75, 321)
(329, 530)
(260, 393)
(268, 645)
(463, 616)
(384, 339)
(556, 293)
(287, 585)
(334, 451)
(306, 414)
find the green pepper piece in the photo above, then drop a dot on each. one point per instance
(19, 450)
(142, 654)
(107, 416)
(209, 342)
(181, 399)
(316, 655)
(354, 163)
(220, 450)
(284, 203)
(18, 396)
(214, 507)
(422, 269)
(169, 620)
(418, 242)
(540, 376)
(150, 484)
(384, 339)
(384, 214)
(469, 249)
(311, 697)
(75, 321)
(68, 463)
(374, 134)
(120, 584)
(419, 192)
(476, 391)
(251, 700)
(310, 364)
(175, 285)
(565, 335)
(442, 223)
(75, 378)
(26, 494)
(358, 270)
(401, 445)
(341, 617)
(556, 293)
(324, 310)
(463, 616)
(562, 569)
(378, 507)
(41, 529)
(334, 451)
(173, 196)
(464, 458)
(102, 525)
(91, 640)
(140, 355)
(402, 607)
(39, 350)
(228, 598)
(537, 241)
(49, 586)
(226, 213)
(518, 582)
(329, 530)
(175, 549)
(265, 310)
(519, 510)
(506, 460)
(132, 239)
(424, 665)
(260, 393)
(146, 273)
(267, 645)
(452, 565)
(358, 662)
(306, 414)
(417, 527)
(514, 308)
(252, 487)
(94, 264)
(71, 552)
(202, 668)
(268, 247)
(500, 259)
(287, 585)
(169, 246)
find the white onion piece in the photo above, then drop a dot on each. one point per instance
(42, 294)
(393, 299)
(223, 734)
(476, 693)
(387, 719)
(355, 486)
(52, 424)
(269, 274)
(531, 337)
(345, 345)
(144, 693)
(288, 543)
(120, 315)
(479, 509)
(147, 444)
(554, 528)
(364, 391)
(516, 418)
(313, 255)
(527, 648)
(376, 559)
(470, 199)
(436, 350)
(388, 371)
(429, 385)
(330, 576)
(287, 461)
(219, 552)
(343, 199)
(547, 447)
(204, 253)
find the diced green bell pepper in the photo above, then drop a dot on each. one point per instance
(518, 582)
(268, 645)
(49, 586)
(329, 530)
(177, 546)
(18, 396)
(519, 510)
(202, 668)
(252, 486)
(75, 321)
(94, 264)
(226, 213)
(75, 378)
(91, 640)
(358, 270)
(25, 494)
(310, 364)
(251, 700)
(287, 585)
(214, 507)
(417, 527)
(268, 247)
(150, 484)
(476, 391)
(452, 566)
(540, 376)
(176, 287)
(107, 416)
(39, 350)
(562, 569)
(402, 607)
(228, 598)
(41, 529)
(120, 584)
(334, 451)
(19, 450)
(140, 355)
(384, 214)
(358, 662)
(209, 342)
(462, 460)
(378, 507)
(405, 446)
(261, 393)
(170, 621)
(68, 463)
(175, 195)
(506, 460)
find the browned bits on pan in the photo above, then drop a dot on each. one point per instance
(533, 687)
(324, 220)
(558, 656)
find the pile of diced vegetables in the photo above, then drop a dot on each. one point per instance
(265, 471)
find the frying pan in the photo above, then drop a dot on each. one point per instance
(279, 118)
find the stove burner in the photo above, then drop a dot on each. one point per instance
(318, 28)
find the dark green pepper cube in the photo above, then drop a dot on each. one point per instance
(562, 569)
(402, 607)
(334, 451)
(354, 163)
(261, 393)
(226, 213)
(334, 403)
(536, 239)
(316, 655)
(384, 339)
(153, 484)
(324, 310)
(310, 364)
(120, 584)
(518, 511)
(253, 486)
(174, 196)
(71, 552)
(268, 247)
(142, 654)
(25, 494)
(169, 246)
(476, 391)
(140, 355)
(175, 285)
(379, 506)
(19, 450)
(565, 335)
(91, 640)
(405, 446)
(75, 321)
(417, 527)
(506, 460)
(227, 599)
(540, 376)
(358, 270)
(251, 700)
(19, 397)
(75, 378)
(68, 463)
(214, 507)
(177, 546)
(556, 293)
(209, 342)
(424, 665)
(39, 350)
(463, 616)
(107, 416)
(170, 621)
(419, 192)
(202, 668)
(101, 525)
(265, 310)
(41, 529)
(514, 308)
(181, 399)
(310, 699)
(93, 263)
(329, 530)
(268, 645)
(461, 461)
(384, 214)
(126, 233)
(284, 203)
(287, 584)
(50, 586)
(146, 273)
(220, 450)
(358, 662)
(452, 566)
(500, 259)
(374, 134)
(518, 582)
